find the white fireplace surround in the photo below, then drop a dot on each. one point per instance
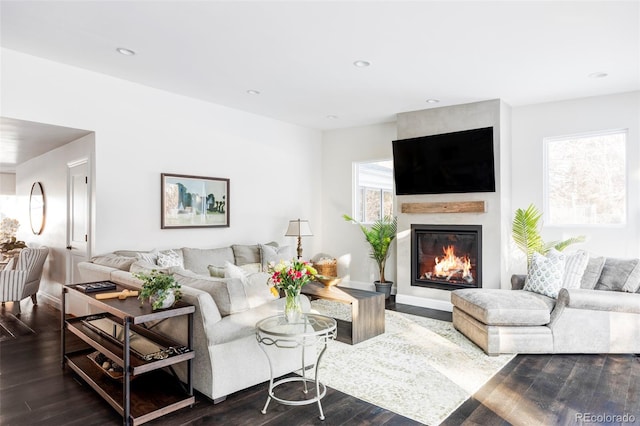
(496, 218)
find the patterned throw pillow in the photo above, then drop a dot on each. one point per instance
(170, 258)
(574, 268)
(546, 273)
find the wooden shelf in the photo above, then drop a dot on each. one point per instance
(114, 351)
(168, 395)
(445, 207)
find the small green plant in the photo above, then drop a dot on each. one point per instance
(379, 236)
(157, 285)
(527, 236)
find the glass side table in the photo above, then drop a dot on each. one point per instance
(311, 331)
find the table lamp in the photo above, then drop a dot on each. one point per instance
(298, 228)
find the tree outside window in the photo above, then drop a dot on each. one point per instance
(374, 190)
(586, 179)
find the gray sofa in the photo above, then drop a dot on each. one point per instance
(228, 358)
(602, 316)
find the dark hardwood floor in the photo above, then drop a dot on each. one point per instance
(530, 390)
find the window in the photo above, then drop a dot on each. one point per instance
(374, 190)
(585, 182)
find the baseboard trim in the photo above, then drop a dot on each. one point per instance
(49, 300)
(422, 302)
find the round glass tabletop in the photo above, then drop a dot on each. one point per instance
(309, 325)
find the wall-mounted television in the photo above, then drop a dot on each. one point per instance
(446, 163)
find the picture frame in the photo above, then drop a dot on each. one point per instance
(194, 201)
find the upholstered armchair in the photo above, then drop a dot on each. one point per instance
(22, 278)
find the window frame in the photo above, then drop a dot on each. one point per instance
(546, 185)
(356, 187)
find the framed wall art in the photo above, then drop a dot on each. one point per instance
(194, 201)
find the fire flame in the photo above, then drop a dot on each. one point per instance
(451, 265)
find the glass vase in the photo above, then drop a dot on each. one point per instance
(292, 306)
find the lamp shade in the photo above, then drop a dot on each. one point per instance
(298, 228)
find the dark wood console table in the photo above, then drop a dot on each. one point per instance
(154, 392)
(367, 310)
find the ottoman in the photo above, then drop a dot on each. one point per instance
(504, 321)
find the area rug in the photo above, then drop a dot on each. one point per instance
(420, 368)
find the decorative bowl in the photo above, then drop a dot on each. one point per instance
(328, 281)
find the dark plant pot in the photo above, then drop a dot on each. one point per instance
(384, 287)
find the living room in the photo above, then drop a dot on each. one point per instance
(283, 169)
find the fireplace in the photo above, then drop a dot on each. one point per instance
(446, 257)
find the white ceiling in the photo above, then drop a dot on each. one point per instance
(300, 54)
(22, 140)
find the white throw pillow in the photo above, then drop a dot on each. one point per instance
(256, 285)
(574, 268)
(546, 273)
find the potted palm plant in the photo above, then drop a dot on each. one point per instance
(526, 234)
(379, 236)
(162, 290)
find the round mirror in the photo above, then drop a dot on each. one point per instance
(36, 208)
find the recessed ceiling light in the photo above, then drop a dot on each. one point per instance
(433, 101)
(598, 74)
(126, 52)
(332, 117)
(361, 64)
(253, 92)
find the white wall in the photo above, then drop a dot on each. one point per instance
(531, 124)
(50, 169)
(7, 184)
(140, 132)
(340, 149)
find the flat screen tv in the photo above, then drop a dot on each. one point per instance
(446, 163)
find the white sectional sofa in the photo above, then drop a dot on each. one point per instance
(600, 315)
(228, 306)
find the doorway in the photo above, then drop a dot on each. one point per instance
(78, 218)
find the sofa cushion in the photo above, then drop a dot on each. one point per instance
(269, 254)
(244, 254)
(546, 273)
(504, 307)
(146, 267)
(198, 260)
(227, 293)
(620, 275)
(255, 284)
(592, 273)
(574, 268)
(112, 260)
(244, 324)
(131, 253)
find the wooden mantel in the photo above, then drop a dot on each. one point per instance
(445, 207)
